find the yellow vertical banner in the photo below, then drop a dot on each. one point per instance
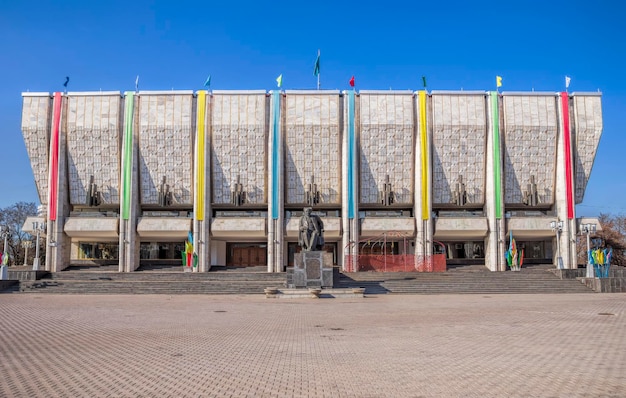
(424, 153)
(200, 151)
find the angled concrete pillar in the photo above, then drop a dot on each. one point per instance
(202, 182)
(494, 206)
(275, 202)
(565, 209)
(350, 185)
(422, 210)
(57, 242)
(129, 190)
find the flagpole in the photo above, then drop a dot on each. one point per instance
(317, 68)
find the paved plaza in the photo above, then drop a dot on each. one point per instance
(249, 346)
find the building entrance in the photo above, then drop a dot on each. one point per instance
(246, 255)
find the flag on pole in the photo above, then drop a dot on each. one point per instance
(67, 80)
(5, 258)
(498, 81)
(279, 80)
(316, 70)
(424, 81)
(207, 82)
(351, 81)
(137, 83)
(567, 80)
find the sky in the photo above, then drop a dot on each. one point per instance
(245, 45)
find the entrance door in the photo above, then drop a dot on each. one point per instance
(248, 256)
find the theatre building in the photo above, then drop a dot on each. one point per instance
(128, 178)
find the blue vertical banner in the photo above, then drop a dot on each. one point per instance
(351, 139)
(275, 152)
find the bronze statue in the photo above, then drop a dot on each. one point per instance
(310, 237)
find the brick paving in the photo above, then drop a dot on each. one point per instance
(566, 345)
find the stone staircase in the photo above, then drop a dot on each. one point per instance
(154, 280)
(465, 280)
(253, 280)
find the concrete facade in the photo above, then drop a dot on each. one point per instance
(136, 173)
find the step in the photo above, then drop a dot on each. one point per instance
(251, 282)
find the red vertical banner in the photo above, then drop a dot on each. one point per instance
(567, 143)
(53, 172)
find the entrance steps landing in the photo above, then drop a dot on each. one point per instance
(255, 280)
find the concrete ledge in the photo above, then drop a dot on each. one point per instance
(26, 275)
(162, 227)
(239, 227)
(569, 273)
(375, 226)
(5, 284)
(272, 292)
(605, 285)
(91, 227)
(457, 227)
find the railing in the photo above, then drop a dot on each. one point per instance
(395, 263)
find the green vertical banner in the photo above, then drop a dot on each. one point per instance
(127, 153)
(497, 180)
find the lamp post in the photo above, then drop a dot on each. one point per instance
(4, 232)
(39, 227)
(27, 244)
(588, 229)
(557, 226)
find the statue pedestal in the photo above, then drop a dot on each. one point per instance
(313, 269)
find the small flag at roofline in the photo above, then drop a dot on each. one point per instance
(351, 81)
(316, 69)
(498, 81)
(137, 83)
(567, 81)
(279, 80)
(67, 80)
(424, 81)
(207, 82)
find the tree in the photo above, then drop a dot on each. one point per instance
(13, 218)
(613, 235)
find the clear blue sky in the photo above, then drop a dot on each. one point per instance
(247, 44)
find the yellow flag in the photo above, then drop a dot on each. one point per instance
(279, 80)
(498, 81)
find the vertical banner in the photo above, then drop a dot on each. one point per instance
(53, 172)
(567, 144)
(275, 152)
(424, 153)
(200, 151)
(495, 114)
(351, 139)
(127, 153)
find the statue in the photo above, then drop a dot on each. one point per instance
(310, 237)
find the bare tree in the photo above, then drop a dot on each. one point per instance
(13, 218)
(613, 235)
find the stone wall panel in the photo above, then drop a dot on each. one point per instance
(312, 147)
(459, 143)
(36, 117)
(93, 146)
(386, 139)
(239, 125)
(530, 142)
